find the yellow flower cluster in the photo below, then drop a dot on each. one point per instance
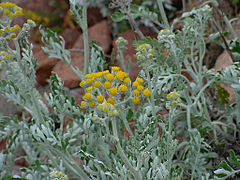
(5, 56)
(174, 98)
(144, 52)
(103, 89)
(58, 175)
(39, 19)
(138, 89)
(10, 10)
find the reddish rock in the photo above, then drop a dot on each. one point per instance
(130, 51)
(223, 61)
(70, 36)
(99, 32)
(94, 16)
(36, 5)
(45, 66)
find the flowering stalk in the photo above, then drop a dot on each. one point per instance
(121, 153)
(163, 14)
(85, 39)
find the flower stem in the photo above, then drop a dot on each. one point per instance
(121, 153)
(163, 14)
(85, 39)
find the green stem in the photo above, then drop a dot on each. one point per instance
(163, 14)
(133, 23)
(121, 58)
(121, 153)
(85, 39)
(189, 117)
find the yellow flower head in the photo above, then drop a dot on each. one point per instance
(11, 15)
(139, 57)
(12, 29)
(135, 100)
(105, 109)
(140, 80)
(110, 77)
(135, 83)
(120, 75)
(111, 101)
(140, 87)
(3, 63)
(107, 84)
(105, 72)
(146, 92)
(150, 56)
(113, 91)
(7, 29)
(13, 35)
(126, 80)
(87, 96)
(89, 81)
(151, 50)
(143, 50)
(6, 11)
(123, 88)
(19, 13)
(174, 103)
(82, 83)
(88, 76)
(100, 98)
(97, 84)
(89, 88)
(169, 95)
(136, 91)
(91, 104)
(110, 113)
(1, 31)
(17, 27)
(175, 95)
(100, 106)
(82, 104)
(115, 68)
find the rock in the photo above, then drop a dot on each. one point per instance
(223, 61)
(93, 16)
(70, 36)
(45, 66)
(36, 5)
(99, 32)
